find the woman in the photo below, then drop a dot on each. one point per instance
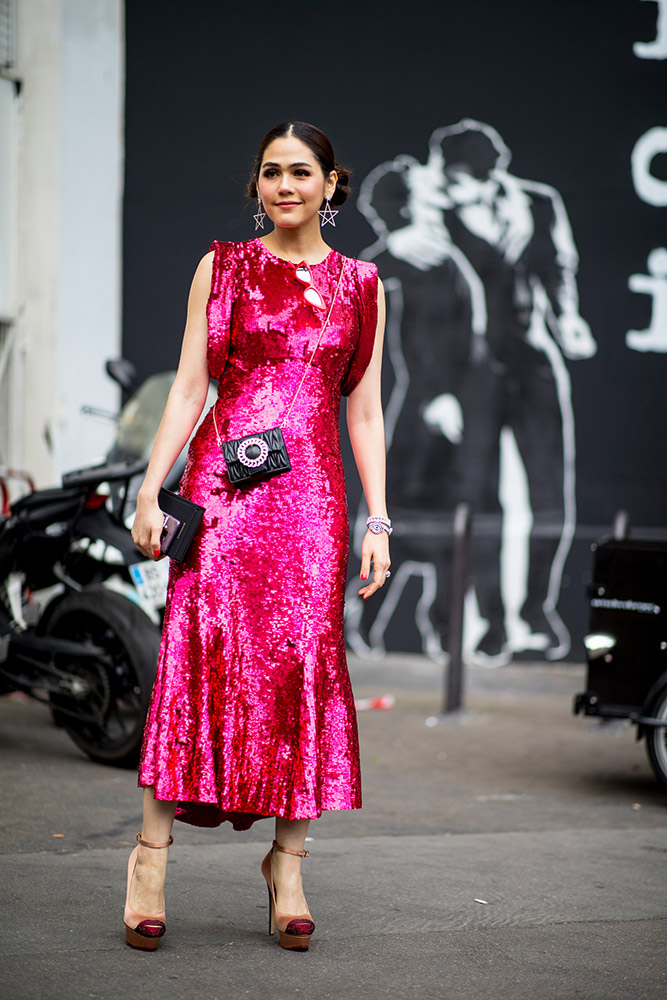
(252, 712)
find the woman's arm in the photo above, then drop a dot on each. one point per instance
(366, 429)
(184, 405)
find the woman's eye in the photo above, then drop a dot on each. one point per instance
(270, 172)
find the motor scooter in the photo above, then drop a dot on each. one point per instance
(136, 426)
(70, 636)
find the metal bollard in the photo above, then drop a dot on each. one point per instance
(459, 581)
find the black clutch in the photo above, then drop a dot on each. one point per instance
(256, 456)
(181, 520)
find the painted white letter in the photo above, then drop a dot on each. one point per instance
(650, 189)
(658, 48)
(654, 337)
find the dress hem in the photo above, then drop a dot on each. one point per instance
(209, 814)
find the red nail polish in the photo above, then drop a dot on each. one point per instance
(156, 553)
(364, 576)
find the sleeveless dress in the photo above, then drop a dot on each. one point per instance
(252, 712)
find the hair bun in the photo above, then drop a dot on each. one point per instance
(342, 185)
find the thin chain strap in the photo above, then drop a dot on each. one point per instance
(307, 368)
(319, 341)
(215, 424)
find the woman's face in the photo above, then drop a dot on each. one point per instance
(291, 183)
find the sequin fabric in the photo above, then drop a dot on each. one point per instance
(252, 711)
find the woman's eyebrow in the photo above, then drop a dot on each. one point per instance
(299, 163)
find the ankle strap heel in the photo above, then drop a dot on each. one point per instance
(147, 843)
(143, 930)
(288, 850)
(295, 929)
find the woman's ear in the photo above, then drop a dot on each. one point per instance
(330, 185)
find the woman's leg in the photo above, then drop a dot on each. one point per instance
(287, 868)
(147, 890)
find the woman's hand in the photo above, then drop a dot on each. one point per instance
(374, 549)
(147, 527)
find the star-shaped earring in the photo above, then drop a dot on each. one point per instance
(327, 214)
(261, 215)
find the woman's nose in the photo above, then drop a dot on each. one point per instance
(285, 183)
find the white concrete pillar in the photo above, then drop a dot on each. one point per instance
(90, 194)
(68, 297)
(38, 66)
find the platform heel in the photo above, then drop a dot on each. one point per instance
(295, 931)
(142, 931)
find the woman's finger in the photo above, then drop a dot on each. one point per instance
(380, 576)
(365, 564)
(156, 532)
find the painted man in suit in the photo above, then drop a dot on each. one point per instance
(481, 269)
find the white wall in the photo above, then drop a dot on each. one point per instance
(68, 243)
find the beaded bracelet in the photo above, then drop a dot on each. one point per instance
(379, 524)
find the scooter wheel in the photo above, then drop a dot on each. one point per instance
(106, 720)
(656, 738)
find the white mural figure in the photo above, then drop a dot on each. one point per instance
(485, 264)
(654, 337)
(656, 49)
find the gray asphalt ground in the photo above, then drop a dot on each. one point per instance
(512, 852)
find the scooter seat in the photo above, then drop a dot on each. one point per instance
(96, 474)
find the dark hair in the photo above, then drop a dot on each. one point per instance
(472, 145)
(472, 150)
(318, 143)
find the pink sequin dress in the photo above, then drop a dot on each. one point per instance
(252, 711)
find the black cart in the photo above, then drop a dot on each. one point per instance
(626, 645)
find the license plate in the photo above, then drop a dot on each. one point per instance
(150, 579)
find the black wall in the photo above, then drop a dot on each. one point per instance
(557, 79)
